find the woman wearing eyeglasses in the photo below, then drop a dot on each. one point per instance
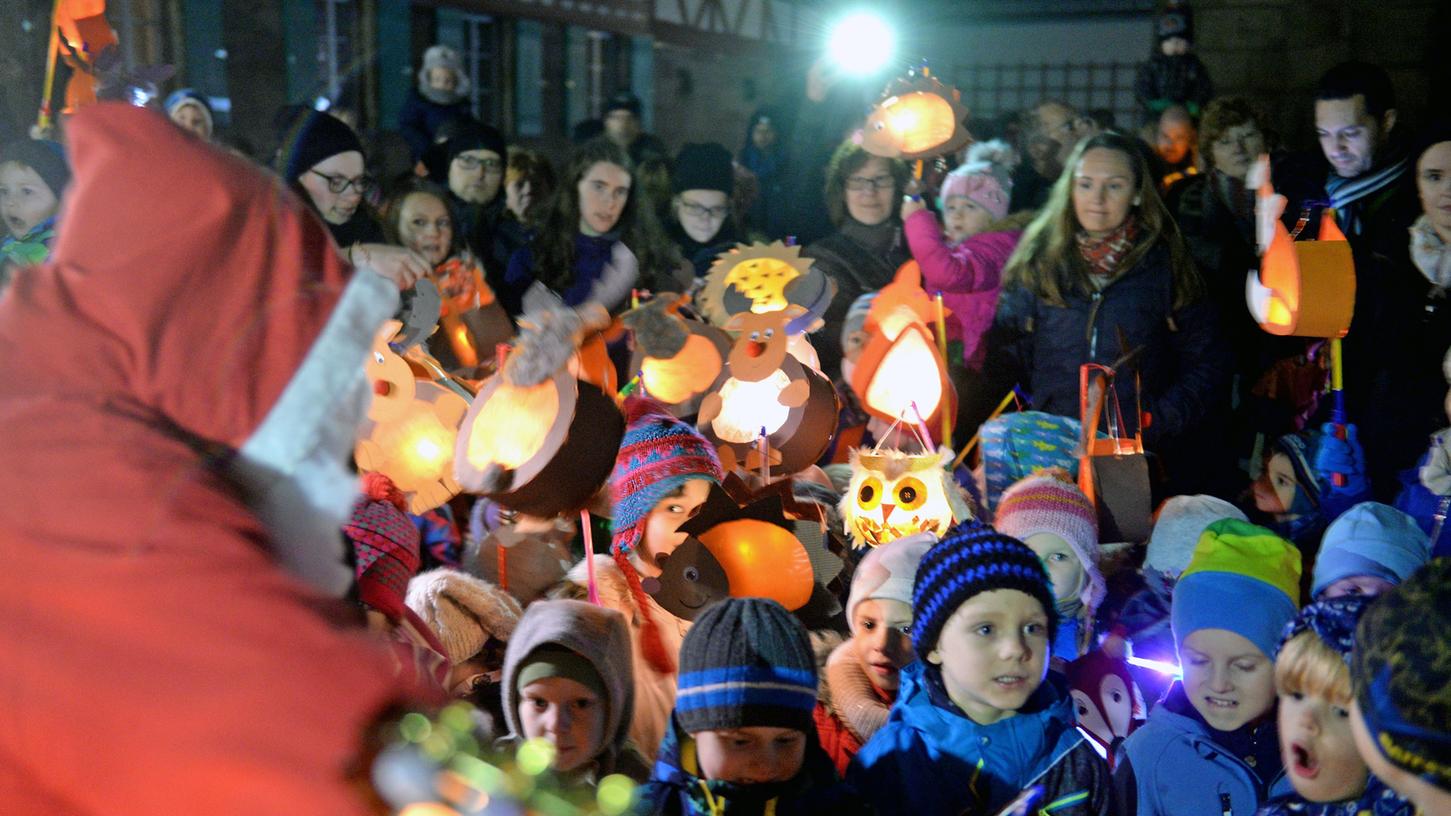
(322, 160)
(701, 222)
(864, 199)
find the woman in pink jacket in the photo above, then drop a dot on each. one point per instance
(964, 257)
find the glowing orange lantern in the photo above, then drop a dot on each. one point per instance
(1304, 288)
(902, 364)
(917, 118)
(762, 560)
(677, 360)
(411, 427)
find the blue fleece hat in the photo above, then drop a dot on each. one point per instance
(1241, 578)
(1370, 539)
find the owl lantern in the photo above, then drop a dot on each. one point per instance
(677, 360)
(1304, 288)
(411, 427)
(901, 372)
(538, 438)
(895, 494)
(767, 398)
(917, 118)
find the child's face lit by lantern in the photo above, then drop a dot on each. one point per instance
(1317, 747)
(662, 526)
(880, 633)
(25, 199)
(1274, 492)
(425, 227)
(963, 218)
(993, 653)
(1227, 679)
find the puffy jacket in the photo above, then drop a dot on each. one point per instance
(931, 759)
(969, 275)
(1171, 765)
(419, 119)
(1184, 369)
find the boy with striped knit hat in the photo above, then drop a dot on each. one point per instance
(742, 739)
(979, 717)
(663, 473)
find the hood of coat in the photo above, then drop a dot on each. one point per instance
(194, 327)
(596, 633)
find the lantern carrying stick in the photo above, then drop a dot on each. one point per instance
(1337, 387)
(503, 561)
(44, 119)
(763, 446)
(589, 556)
(977, 437)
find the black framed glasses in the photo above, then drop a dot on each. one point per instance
(861, 184)
(695, 210)
(337, 185)
(474, 163)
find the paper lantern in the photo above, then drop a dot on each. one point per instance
(763, 387)
(541, 449)
(917, 118)
(761, 560)
(678, 361)
(1304, 288)
(763, 278)
(411, 427)
(895, 494)
(471, 318)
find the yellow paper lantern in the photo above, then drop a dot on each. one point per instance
(751, 277)
(1305, 288)
(917, 118)
(895, 494)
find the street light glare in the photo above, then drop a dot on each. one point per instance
(862, 43)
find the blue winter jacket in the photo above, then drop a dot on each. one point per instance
(929, 759)
(1375, 800)
(1171, 766)
(591, 253)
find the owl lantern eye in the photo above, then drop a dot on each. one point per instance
(911, 493)
(869, 495)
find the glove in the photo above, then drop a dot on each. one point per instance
(1342, 457)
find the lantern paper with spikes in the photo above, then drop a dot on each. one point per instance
(918, 117)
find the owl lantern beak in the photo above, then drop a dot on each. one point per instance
(887, 511)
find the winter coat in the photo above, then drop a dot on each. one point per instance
(969, 275)
(702, 256)
(677, 789)
(1376, 800)
(1172, 765)
(1183, 368)
(654, 692)
(932, 759)
(591, 255)
(860, 259)
(419, 119)
(141, 583)
(1163, 81)
(599, 635)
(850, 709)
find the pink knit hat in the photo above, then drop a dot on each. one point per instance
(985, 178)
(1047, 504)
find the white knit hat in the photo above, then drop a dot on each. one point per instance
(887, 572)
(462, 610)
(441, 56)
(1181, 522)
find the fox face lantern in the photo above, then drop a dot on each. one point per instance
(895, 494)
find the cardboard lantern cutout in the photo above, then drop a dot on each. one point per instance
(902, 365)
(1107, 703)
(895, 494)
(411, 428)
(472, 320)
(538, 439)
(764, 390)
(418, 312)
(742, 543)
(1304, 288)
(678, 360)
(917, 118)
(763, 278)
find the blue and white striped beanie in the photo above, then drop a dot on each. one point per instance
(971, 559)
(746, 662)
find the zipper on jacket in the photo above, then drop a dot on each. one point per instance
(1097, 299)
(1225, 808)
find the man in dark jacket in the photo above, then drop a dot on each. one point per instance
(468, 158)
(622, 126)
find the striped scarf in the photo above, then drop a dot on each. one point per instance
(1346, 191)
(1103, 254)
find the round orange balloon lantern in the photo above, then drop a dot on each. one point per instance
(677, 360)
(762, 560)
(918, 117)
(1304, 288)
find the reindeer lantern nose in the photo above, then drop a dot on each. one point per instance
(755, 348)
(382, 387)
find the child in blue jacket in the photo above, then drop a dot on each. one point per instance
(1211, 746)
(979, 718)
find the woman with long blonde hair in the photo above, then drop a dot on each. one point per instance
(1102, 273)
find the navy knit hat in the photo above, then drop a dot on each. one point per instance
(46, 158)
(703, 166)
(459, 136)
(310, 137)
(973, 558)
(746, 662)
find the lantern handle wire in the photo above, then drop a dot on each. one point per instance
(919, 427)
(436, 373)
(589, 556)
(977, 437)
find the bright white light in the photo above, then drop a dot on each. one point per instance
(1156, 665)
(862, 43)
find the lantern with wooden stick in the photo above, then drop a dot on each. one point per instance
(411, 427)
(902, 373)
(677, 360)
(917, 118)
(538, 439)
(766, 391)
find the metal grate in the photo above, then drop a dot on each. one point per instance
(993, 90)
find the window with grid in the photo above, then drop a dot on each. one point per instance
(994, 90)
(476, 38)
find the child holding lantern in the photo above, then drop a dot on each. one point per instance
(662, 476)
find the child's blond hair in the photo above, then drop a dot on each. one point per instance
(1306, 665)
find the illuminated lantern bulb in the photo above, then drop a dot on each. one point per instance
(861, 44)
(920, 121)
(908, 373)
(762, 560)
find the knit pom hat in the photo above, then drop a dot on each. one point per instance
(1401, 674)
(703, 167)
(986, 178)
(887, 572)
(1047, 504)
(658, 454)
(1181, 521)
(464, 611)
(746, 662)
(385, 545)
(1177, 20)
(1242, 578)
(1332, 620)
(441, 56)
(1370, 539)
(973, 558)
